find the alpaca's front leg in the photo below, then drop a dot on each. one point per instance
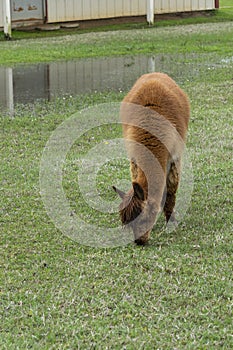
(173, 179)
(143, 239)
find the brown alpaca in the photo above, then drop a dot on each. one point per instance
(154, 115)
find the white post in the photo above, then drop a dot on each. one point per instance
(7, 18)
(150, 12)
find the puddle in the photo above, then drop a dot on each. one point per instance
(26, 84)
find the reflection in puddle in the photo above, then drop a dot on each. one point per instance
(26, 84)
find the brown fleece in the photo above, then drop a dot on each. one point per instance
(155, 115)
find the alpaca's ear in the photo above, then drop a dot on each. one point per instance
(119, 192)
(138, 191)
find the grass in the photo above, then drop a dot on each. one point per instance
(134, 38)
(178, 40)
(176, 293)
(224, 13)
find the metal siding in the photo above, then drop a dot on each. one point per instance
(116, 9)
(95, 8)
(142, 7)
(126, 7)
(52, 11)
(107, 8)
(78, 8)
(210, 4)
(187, 5)
(119, 8)
(68, 6)
(133, 5)
(70, 10)
(179, 5)
(195, 5)
(159, 6)
(201, 4)
(60, 10)
(164, 6)
(86, 9)
(103, 9)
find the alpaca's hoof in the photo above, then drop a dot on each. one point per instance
(143, 240)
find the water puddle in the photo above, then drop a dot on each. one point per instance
(26, 84)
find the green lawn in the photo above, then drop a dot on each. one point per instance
(106, 41)
(178, 39)
(225, 4)
(176, 293)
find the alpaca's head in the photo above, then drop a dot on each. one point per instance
(136, 213)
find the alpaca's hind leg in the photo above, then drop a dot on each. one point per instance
(173, 179)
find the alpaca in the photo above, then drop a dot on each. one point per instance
(154, 115)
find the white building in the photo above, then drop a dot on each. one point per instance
(54, 11)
